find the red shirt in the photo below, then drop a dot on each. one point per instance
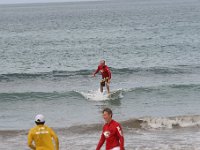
(105, 71)
(112, 133)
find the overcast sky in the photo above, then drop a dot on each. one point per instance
(35, 1)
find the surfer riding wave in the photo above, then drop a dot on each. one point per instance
(106, 76)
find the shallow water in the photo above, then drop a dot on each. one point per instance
(49, 51)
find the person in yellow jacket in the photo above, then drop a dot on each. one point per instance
(42, 136)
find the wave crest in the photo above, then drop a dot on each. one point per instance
(144, 123)
(163, 122)
(118, 71)
(95, 95)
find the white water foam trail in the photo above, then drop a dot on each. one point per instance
(98, 96)
(95, 95)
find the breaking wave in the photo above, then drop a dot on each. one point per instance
(147, 123)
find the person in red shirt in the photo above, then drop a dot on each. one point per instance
(112, 133)
(106, 75)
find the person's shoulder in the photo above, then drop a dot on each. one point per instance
(107, 67)
(47, 127)
(32, 129)
(99, 66)
(115, 123)
(105, 126)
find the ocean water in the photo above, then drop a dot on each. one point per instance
(49, 51)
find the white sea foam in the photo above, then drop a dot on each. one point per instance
(171, 122)
(96, 95)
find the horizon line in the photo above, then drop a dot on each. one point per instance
(70, 1)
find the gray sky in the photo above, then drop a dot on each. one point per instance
(35, 1)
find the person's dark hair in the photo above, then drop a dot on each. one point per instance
(108, 110)
(39, 123)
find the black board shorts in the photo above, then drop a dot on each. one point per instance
(103, 81)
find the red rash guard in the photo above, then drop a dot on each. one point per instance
(112, 133)
(105, 71)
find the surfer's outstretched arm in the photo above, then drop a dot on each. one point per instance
(96, 72)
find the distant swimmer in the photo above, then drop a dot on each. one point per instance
(106, 76)
(112, 133)
(42, 136)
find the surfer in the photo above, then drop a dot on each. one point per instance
(112, 133)
(106, 76)
(41, 135)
